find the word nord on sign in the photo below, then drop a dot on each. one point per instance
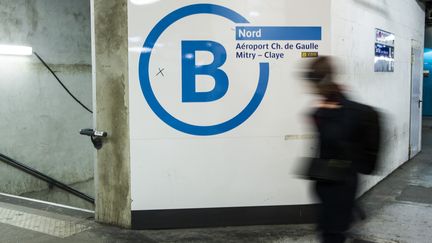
(244, 33)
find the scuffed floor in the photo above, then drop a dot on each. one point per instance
(400, 207)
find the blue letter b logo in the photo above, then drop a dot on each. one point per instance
(190, 70)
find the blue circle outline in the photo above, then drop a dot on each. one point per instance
(147, 90)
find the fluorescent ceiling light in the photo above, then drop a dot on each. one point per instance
(15, 50)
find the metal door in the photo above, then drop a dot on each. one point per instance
(416, 102)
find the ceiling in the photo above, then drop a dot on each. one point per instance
(428, 16)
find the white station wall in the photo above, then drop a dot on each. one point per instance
(254, 164)
(250, 165)
(353, 37)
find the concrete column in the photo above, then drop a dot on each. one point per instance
(110, 85)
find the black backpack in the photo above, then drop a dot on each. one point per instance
(369, 138)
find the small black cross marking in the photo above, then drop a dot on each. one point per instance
(161, 72)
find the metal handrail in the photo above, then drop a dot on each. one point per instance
(51, 181)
